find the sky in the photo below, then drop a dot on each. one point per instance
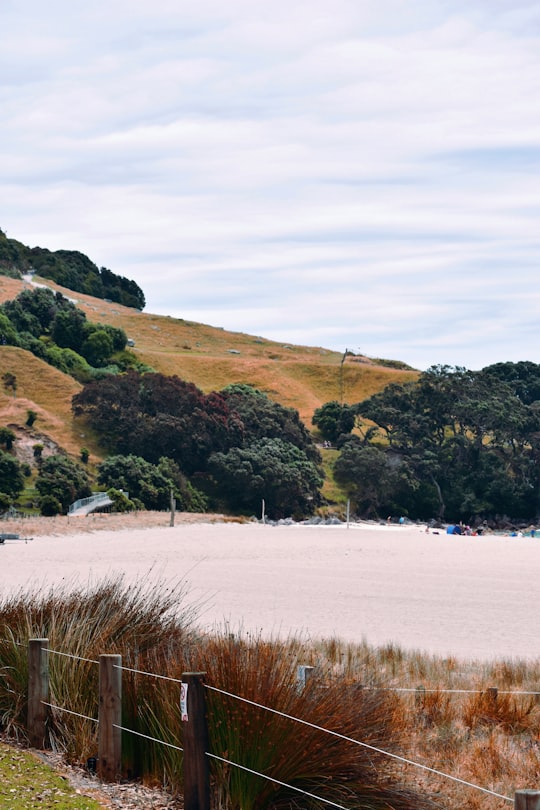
(348, 174)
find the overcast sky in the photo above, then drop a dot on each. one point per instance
(359, 174)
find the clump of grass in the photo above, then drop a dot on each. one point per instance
(512, 714)
(456, 724)
(82, 622)
(298, 754)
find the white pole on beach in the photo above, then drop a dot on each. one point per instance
(348, 512)
(262, 513)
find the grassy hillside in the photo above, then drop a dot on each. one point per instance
(302, 377)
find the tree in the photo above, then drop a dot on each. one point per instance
(63, 479)
(522, 377)
(120, 501)
(270, 469)
(11, 476)
(151, 415)
(334, 419)
(7, 437)
(49, 506)
(97, 347)
(470, 438)
(8, 333)
(10, 381)
(148, 483)
(68, 329)
(262, 418)
(377, 482)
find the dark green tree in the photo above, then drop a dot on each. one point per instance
(11, 476)
(334, 419)
(468, 437)
(262, 418)
(148, 483)
(272, 470)
(8, 332)
(97, 348)
(68, 329)
(63, 479)
(10, 382)
(7, 437)
(377, 482)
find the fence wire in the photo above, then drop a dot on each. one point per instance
(68, 711)
(397, 757)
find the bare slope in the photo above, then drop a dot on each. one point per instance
(302, 377)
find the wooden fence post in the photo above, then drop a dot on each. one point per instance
(492, 693)
(38, 691)
(110, 718)
(303, 674)
(196, 768)
(420, 696)
(527, 800)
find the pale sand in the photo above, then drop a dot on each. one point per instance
(471, 597)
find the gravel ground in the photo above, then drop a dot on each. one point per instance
(127, 795)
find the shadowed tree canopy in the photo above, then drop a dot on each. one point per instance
(61, 478)
(334, 419)
(11, 476)
(262, 418)
(269, 469)
(470, 440)
(150, 484)
(71, 269)
(152, 416)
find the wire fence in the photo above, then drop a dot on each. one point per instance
(39, 653)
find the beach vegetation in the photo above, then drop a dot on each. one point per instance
(153, 629)
(49, 506)
(442, 713)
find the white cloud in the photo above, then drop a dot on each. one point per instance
(345, 173)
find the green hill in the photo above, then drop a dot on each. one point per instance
(302, 377)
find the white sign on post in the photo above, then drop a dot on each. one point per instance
(183, 703)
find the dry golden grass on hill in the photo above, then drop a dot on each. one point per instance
(300, 377)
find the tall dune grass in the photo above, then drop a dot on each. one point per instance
(437, 712)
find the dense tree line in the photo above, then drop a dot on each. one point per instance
(71, 269)
(456, 445)
(234, 447)
(55, 330)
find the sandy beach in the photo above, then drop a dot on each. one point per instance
(471, 597)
